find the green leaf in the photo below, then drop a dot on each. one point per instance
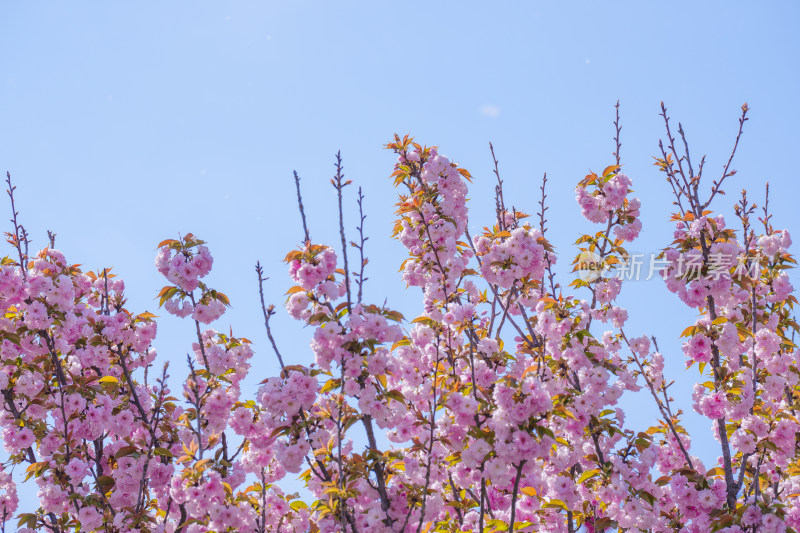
(125, 451)
(163, 452)
(27, 520)
(588, 475)
(298, 504)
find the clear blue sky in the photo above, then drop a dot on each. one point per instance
(126, 123)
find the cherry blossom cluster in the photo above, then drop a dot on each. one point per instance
(433, 220)
(497, 409)
(183, 262)
(504, 261)
(604, 199)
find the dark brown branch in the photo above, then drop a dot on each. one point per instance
(663, 409)
(543, 228)
(515, 491)
(268, 312)
(362, 240)
(429, 452)
(618, 129)
(678, 159)
(500, 204)
(716, 186)
(339, 183)
(19, 231)
(689, 165)
(300, 206)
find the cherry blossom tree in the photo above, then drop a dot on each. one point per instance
(497, 409)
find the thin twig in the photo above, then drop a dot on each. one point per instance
(339, 183)
(300, 206)
(500, 204)
(717, 184)
(618, 129)
(19, 231)
(362, 240)
(268, 312)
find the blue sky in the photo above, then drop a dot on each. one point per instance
(126, 123)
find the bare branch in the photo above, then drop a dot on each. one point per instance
(500, 204)
(268, 312)
(20, 234)
(618, 129)
(339, 183)
(300, 206)
(360, 279)
(727, 172)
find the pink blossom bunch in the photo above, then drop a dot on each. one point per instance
(497, 409)
(507, 260)
(183, 265)
(314, 267)
(608, 201)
